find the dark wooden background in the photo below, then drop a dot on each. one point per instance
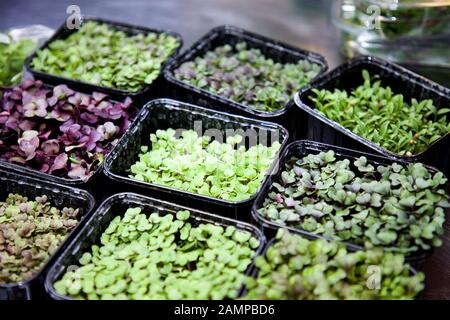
(304, 23)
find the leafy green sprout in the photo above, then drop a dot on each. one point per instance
(30, 233)
(399, 208)
(162, 257)
(297, 268)
(377, 114)
(246, 76)
(226, 171)
(101, 55)
(12, 57)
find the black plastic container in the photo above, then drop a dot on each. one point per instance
(59, 196)
(254, 270)
(147, 92)
(164, 114)
(116, 206)
(279, 52)
(90, 184)
(348, 76)
(303, 148)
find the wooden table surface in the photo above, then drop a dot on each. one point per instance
(303, 23)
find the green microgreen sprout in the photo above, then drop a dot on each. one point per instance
(162, 257)
(102, 55)
(221, 170)
(30, 232)
(400, 208)
(301, 269)
(379, 115)
(12, 57)
(246, 76)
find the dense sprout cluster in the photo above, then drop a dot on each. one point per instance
(12, 57)
(59, 131)
(374, 112)
(400, 208)
(297, 268)
(222, 170)
(30, 232)
(246, 76)
(102, 55)
(162, 257)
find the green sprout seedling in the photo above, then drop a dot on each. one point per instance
(30, 233)
(12, 57)
(191, 163)
(99, 54)
(399, 208)
(295, 268)
(379, 115)
(246, 76)
(162, 257)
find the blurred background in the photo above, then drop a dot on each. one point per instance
(298, 22)
(412, 32)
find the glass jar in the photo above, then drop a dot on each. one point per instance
(411, 32)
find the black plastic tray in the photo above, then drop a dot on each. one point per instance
(165, 114)
(254, 269)
(90, 184)
(222, 35)
(59, 196)
(116, 206)
(401, 80)
(303, 148)
(142, 96)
